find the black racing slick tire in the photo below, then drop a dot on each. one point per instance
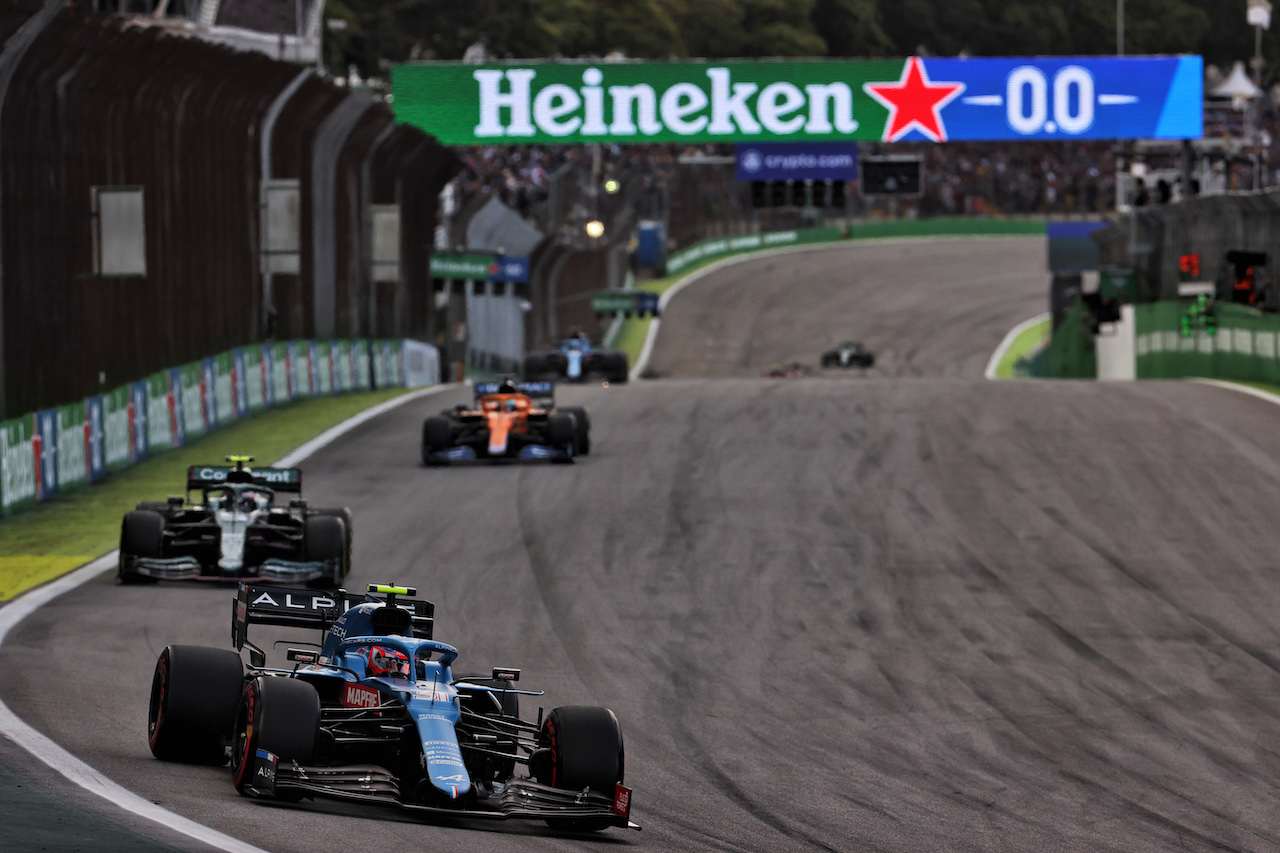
(437, 435)
(194, 694)
(141, 535)
(585, 751)
(281, 716)
(581, 428)
(619, 368)
(326, 540)
(348, 530)
(561, 431)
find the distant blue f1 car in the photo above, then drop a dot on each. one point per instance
(375, 714)
(577, 360)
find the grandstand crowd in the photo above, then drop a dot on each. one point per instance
(1009, 178)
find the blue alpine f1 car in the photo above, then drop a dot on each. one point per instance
(576, 360)
(375, 714)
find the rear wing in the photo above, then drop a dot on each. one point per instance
(542, 393)
(276, 479)
(309, 608)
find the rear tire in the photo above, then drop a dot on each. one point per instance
(141, 535)
(194, 694)
(619, 368)
(344, 514)
(586, 751)
(582, 428)
(280, 715)
(326, 540)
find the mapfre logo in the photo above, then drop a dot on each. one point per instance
(358, 696)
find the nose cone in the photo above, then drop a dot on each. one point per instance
(499, 430)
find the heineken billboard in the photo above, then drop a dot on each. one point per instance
(916, 99)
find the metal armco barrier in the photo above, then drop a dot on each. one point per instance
(56, 448)
(89, 103)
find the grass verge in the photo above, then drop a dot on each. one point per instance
(1026, 344)
(74, 527)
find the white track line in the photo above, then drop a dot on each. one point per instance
(12, 727)
(1008, 342)
(642, 361)
(1243, 389)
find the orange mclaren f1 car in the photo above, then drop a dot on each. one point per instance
(509, 420)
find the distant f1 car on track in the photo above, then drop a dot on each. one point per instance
(236, 529)
(576, 360)
(849, 354)
(509, 420)
(375, 714)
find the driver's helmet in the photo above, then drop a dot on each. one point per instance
(511, 406)
(250, 501)
(390, 663)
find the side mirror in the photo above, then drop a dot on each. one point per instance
(505, 673)
(257, 658)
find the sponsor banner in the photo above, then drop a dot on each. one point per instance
(73, 466)
(208, 405)
(239, 393)
(140, 436)
(160, 413)
(395, 362)
(281, 374)
(224, 388)
(378, 359)
(797, 161)
(460, 265)
(509, 268)
(17, 463)
(725, 246)
(95, 437)
(118, 428)
(254, 385)
(189, 395)
(361, 364)
(46, 447)
(300, 361)
(913, 99)
(421, 364)
(340, 351)
(321, 368)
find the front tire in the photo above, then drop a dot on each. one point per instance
(585, 751)
(581, 428)
(437, 435)
(194, 694)
(141, 535)
(561, 432)
(279, 715)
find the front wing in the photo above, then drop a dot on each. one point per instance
(189, 568)
(366, 783)
(466, 453)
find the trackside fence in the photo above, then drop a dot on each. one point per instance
(44, 452)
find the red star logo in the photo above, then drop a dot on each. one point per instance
(914, 102)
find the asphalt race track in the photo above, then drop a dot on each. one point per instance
(911, 610)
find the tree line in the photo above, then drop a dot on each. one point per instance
(378, 32)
